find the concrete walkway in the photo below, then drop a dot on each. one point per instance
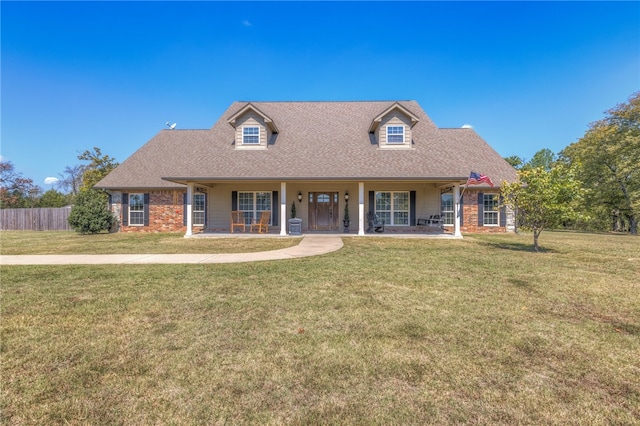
(310, 245)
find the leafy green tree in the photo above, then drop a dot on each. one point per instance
(608, 159)
(543, 198)
(544, 158)
(90, 213)
(515, 161)
(53, 198)
(99, 166)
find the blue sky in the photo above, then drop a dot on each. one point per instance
(526, 76)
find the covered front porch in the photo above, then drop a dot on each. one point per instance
(406, 208)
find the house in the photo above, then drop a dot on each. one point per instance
(383, 157)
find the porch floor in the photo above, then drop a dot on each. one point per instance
(421, 233)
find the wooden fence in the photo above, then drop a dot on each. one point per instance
(36, 219)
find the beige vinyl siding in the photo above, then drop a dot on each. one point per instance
(219, 201)
(427, 195)
(394, 118)
(252, 119)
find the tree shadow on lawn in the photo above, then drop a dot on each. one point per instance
(515, 246)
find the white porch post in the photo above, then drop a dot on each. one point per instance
(283, 208)
(458, 210)
(360, 208)
(189, 211)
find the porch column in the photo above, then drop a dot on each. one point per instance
(189, 212)
(457, 210)
(360, 208)
(283, 208)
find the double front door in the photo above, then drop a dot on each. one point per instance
(324, 212)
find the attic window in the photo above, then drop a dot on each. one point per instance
(251, 135)
(395, 134)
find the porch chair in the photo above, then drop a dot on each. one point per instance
(237, 220)
(263, 223)
(375, 223)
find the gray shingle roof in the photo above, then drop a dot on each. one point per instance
(316, 140)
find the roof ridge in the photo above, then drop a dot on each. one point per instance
(333, 101)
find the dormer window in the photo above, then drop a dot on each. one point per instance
(395, 134)
(392, 128)
(251, 135)
(253, 128)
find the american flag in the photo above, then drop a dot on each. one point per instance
(477, 179)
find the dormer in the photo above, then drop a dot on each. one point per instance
(254, 129)
(393, 127)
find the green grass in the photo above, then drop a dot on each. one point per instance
(56, 242)
(384, 331)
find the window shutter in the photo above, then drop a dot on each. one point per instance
(234, 200)
(372, 202)
(125, 209)
(480, 209)
(462, 210)
(146, 209)
(412, 208)
(184, 209)
(503, 214)
(206, 200)
(275, 208)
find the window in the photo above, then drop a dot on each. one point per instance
(251, 135)
(198, 209)
(393, 207)
(490, 209)
(395, 134)
(136, 209)
(446, 208)
(252, 204)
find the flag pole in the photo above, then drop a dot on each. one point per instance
(466, 185)
(461, 200)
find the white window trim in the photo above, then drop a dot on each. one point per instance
(394, 210)
(244, 136)
(255, 213)
(485, 211)
(203, 211)
(395, 134)
(130, 210)
(442, 211)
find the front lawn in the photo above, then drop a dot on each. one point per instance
(67, 242)
(383, 331)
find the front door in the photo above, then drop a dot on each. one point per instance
(323, 211)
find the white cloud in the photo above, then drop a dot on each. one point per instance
(467, 126)
(246, 23)
(50, 180)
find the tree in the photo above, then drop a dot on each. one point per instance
(16, 191)
(543, 198)
(90, 213)
(99, 166)
(515, 161)
(607, 158)
(71, 179)
(53, 198)
(544, 158)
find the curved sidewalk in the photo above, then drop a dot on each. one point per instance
(311, 245)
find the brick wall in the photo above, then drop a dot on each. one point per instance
(470, 211)
(166, 212)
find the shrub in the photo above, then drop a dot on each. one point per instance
(90, 213)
